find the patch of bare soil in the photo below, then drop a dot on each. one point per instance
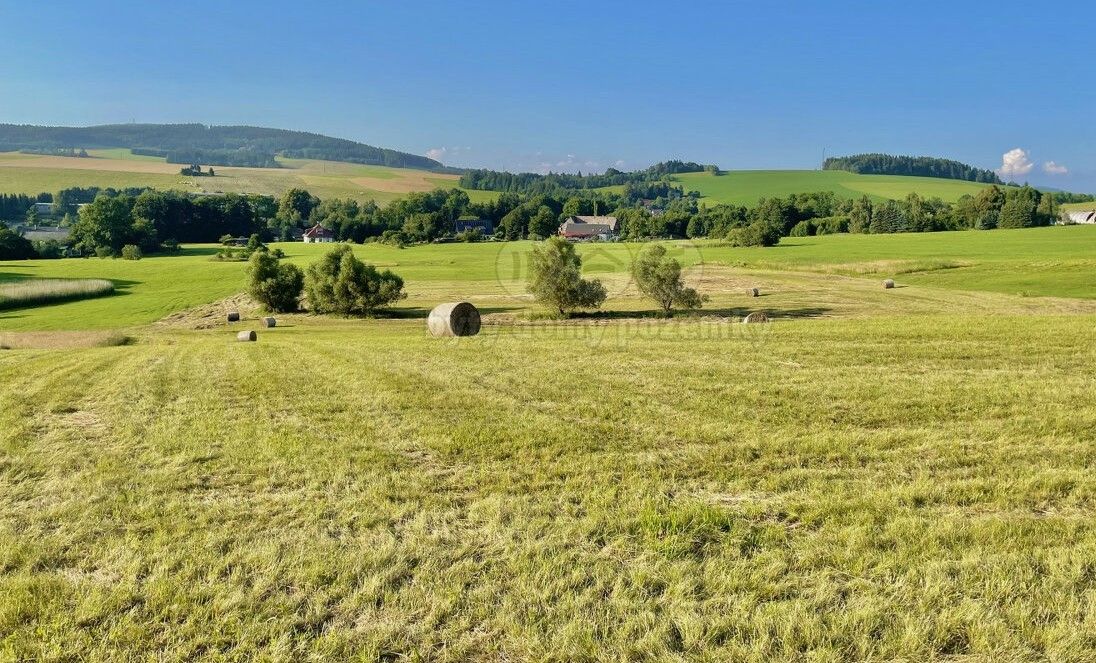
(212, 315)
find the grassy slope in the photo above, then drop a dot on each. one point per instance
(1055, 261)
(119, 169)
(744, 187)
(913, 487)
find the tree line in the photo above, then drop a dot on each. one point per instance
(159, 220)
(242, 157)
(887, 164)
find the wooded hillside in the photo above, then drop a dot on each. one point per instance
(211, 145)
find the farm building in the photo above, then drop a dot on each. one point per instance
(466, 223)
(44, 233)
(43, 208)
(1083, 216)
(578, 228)
(317, 234)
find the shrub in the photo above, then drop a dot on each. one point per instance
(131, 252)
(275, 285)
(802, 229)
(658, 277)
(472, 235)
(230, 255)
(104, 252)
(169, 246)
(555, 278)
(831, 225)
(393, 238)
(755, 234)
(14, 246)
(48, 249)
(340, 283)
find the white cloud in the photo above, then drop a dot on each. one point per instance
(1015, 163)
(544, 163)
(1051, 168)
(440, 153)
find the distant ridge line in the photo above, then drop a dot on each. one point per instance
(217, 145)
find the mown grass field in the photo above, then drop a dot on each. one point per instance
(745, 187)
(31, 174)
(878, 474)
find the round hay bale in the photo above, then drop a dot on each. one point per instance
(233, 316)
(755, 317)
(246, 336)
(888, 284)
(269, 322)
(454, 319)
(753, 292)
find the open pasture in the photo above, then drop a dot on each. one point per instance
(745, 187)
(878, 474)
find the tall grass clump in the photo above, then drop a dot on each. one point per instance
(34, 292)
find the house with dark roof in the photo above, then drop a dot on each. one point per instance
(317, 234)
(585, 228)
(467, 222)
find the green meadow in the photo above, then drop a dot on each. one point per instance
(1051, 262)
(877, 474)
(745, 187)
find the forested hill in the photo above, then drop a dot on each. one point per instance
(886, 164)
(198, 143)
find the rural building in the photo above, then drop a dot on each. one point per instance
(317, 234)
(580, 228)
(43, 208)
(1084, 216)
(652, 207)
(466, 223)
(44, 233)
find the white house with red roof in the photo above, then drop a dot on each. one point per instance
(318, 234)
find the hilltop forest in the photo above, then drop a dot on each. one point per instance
(198, 143)
(886, 164)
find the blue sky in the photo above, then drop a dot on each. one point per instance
(582, 85)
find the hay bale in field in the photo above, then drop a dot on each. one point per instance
(233, 316)
(753, 292)
(247, 336)
(755, 317)
(454, 319)
(888, 284)
(269, 322)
